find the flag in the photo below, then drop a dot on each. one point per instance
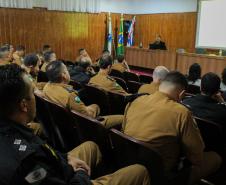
(109, 36)
(120, 48)
(130, 32)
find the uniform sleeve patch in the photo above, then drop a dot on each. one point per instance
(77, 99)
(117, 85)
(36, 176)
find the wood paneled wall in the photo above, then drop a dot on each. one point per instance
(67, 32)
(178, 30)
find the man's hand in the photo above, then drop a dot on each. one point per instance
(218, 97)
(78, 164)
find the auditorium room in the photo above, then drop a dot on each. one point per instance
(112, 92)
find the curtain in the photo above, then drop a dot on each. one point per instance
(16, 3)
(92, 6)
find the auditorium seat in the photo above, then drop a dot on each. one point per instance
(133, 86)
(193, 89)
(121, 82)
(60, 124)
(145, 79)
(117, 103)
(212, 134)
(94, 95)
(128, 150)
(76, 85)
(117, 74)
(129, 76)
(42, 77)
(89, 129)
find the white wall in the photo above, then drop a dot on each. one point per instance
(148, 6)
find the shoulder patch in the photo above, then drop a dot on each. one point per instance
(77, 99)
(117, 85)
(36, 176)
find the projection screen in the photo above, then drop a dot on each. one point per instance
(211, 25)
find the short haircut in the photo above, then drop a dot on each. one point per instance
(105, 61)
(83, 63)
(210, 84)
(160, 72)
(31, 60)
(224, 76)
(120, 58)
(80, 50)
(47, 56)
(46, 47)
(176, 78)
(13, 88)
(6, 45)
(3, 51)
(54, 71)
(20, 48)
(194, 72)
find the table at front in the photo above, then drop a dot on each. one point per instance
(150, 58)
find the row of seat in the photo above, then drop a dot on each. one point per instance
(67, 129)
(129, 76)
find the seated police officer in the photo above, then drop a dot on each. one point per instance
(26, 159)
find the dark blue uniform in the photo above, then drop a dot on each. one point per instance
(26, 159)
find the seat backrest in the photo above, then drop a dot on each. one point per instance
(129, 76)
(133, 86)
(121, 82)
(76, 85)
(42, 77)
(193, 89)
(117, 103)
(90, 129)
(61, 124)
(212, 133)
(145, 79)
(117, 73)
(128, 151)
(94, 95)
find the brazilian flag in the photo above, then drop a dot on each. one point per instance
(120, 48)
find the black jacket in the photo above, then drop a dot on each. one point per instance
(161, 45)
(26, 159)
(207, 108)
(79, 75)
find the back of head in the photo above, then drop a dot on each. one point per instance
(210, 84)
(47, 56)
(31, 60)
(46, 48)
(54, 71)
(84, 63)
(224, 76)
(194, 72)
(81, 50)
(12, 88)
(160, 73)
(174, 80)
(20, 48)
(4, 52)
(120, 58)
(105, 61)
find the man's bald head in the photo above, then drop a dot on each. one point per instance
(160, 73)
